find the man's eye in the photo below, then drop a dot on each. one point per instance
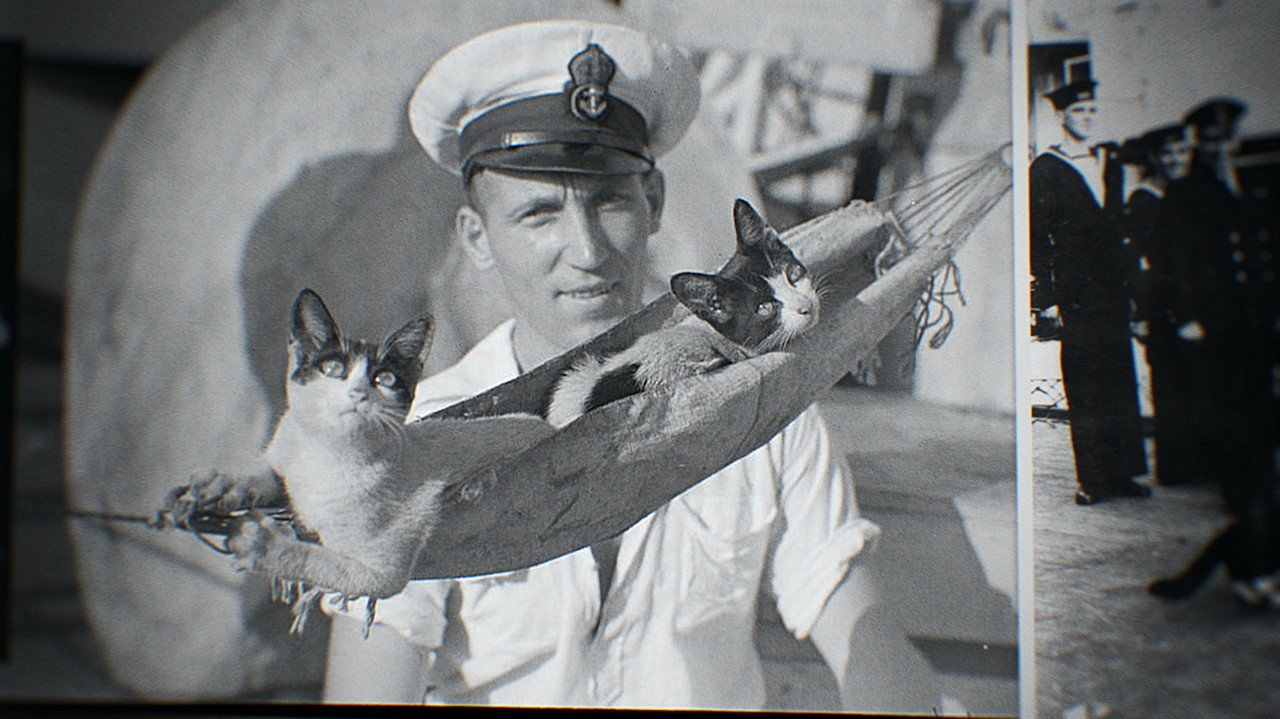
(386, 379)
(333, 368)
(537, 215)
(613, 202)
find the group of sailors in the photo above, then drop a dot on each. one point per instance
(1166, 237)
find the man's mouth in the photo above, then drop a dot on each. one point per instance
(589, 292)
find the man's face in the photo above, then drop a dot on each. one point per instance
(1175, 158)
(1221, 146)
(1078, 119)
(570, 249)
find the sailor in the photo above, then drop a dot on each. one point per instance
(1079, 279)
(556, 130)
(1163, 155)
(1227, 305)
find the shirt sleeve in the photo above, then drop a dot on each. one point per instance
(822, 530)
(417, 613)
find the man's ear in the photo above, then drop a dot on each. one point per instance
(655, 192)
(471, 233)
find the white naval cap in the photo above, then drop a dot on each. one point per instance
(555, 96)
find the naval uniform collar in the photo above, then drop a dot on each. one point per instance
(1089, 153)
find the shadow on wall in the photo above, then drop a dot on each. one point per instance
(370, 233)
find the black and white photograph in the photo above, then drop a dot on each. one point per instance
(1155, 132)
(603, 353)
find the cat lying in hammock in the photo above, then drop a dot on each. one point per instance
(355, 475)
(762, 298)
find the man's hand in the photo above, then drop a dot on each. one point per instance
(1051, 315)
(1192, 331)
(1140, 329)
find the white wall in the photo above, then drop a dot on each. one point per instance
(974, 369)
(1154, 60)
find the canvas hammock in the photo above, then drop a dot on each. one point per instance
(880, 261)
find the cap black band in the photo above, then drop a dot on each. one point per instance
(546, 120)
(1078, 91)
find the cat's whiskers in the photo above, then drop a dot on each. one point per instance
(781, 336)
(388, 426)
(822, 286)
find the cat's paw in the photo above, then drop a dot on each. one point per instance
(258, 542)
(215, 490)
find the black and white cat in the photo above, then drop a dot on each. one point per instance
(762, 299)
(354, 474)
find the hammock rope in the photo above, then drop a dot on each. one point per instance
(941, 210)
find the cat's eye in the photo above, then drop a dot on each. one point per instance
(765, 309)
(333, 368)
(386, 379)
(795, 272)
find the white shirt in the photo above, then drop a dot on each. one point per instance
(678, 624)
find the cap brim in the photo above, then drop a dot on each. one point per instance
(561, 157)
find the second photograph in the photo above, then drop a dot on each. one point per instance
(1155, 137)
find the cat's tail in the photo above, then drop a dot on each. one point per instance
(569, 398)
(1186, 583)
(589, 384)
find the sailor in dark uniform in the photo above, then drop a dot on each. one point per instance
(1163, 155)
(1227, 306)
(1079, 278)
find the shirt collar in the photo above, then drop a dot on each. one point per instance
(489, 363)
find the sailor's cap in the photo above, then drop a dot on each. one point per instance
(1215, 119)
(1155, 139)
(1143, 149)
(1068, 95)
(555, 96)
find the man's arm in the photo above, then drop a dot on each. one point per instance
(826, 542)
(875, 667)
(1043, 210)
(384, 668)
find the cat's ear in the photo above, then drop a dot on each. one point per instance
(313, 326)
(410, 343)
(702, 294)
(756, 237)
(751, 228)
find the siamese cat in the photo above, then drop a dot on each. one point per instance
(762, 299)
(367, 485)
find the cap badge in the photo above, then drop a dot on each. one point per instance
(591, 70)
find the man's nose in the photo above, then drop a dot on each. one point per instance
(586, 246)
